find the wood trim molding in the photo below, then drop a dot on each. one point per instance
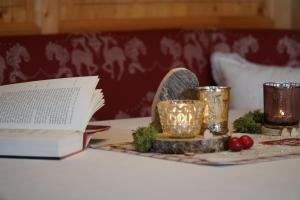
(145, 24)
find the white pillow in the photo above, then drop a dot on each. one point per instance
(246, 79)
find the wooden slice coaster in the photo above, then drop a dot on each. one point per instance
(190, 145)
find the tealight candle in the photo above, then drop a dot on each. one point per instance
(281, 104)
(181, 118)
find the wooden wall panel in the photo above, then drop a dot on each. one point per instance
(16, 17)
(157, 9)
(13, 11)
(53, 16)
(46, 15)
(145, 14)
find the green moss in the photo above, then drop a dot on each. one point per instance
(250, 122)
(143, 138)
(256, 115)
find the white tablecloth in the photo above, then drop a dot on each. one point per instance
(98, 174)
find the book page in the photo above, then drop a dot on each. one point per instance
(48, 104)
(96, 103)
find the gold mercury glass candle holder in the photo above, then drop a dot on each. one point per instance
(180, 118)
(281, 104)
(216, 100)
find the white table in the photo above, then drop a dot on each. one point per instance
(98, 174)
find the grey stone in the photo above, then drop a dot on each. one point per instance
(178, 83)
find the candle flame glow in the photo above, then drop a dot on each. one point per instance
(281, 112)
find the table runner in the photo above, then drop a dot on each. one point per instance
(266, 148)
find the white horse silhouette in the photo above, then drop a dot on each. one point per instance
(193, 52)
(133, 49)
(292, 48)
(93, 41)
(245, 44)
(219, 41)
(14, 57)
(83, 57)
(170, 46)
(57, 52)
(111, 56)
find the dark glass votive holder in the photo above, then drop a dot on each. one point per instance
(281, 104)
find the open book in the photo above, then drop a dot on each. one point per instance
(47, 118)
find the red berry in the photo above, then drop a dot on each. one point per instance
(235, 144)
(247, 141)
